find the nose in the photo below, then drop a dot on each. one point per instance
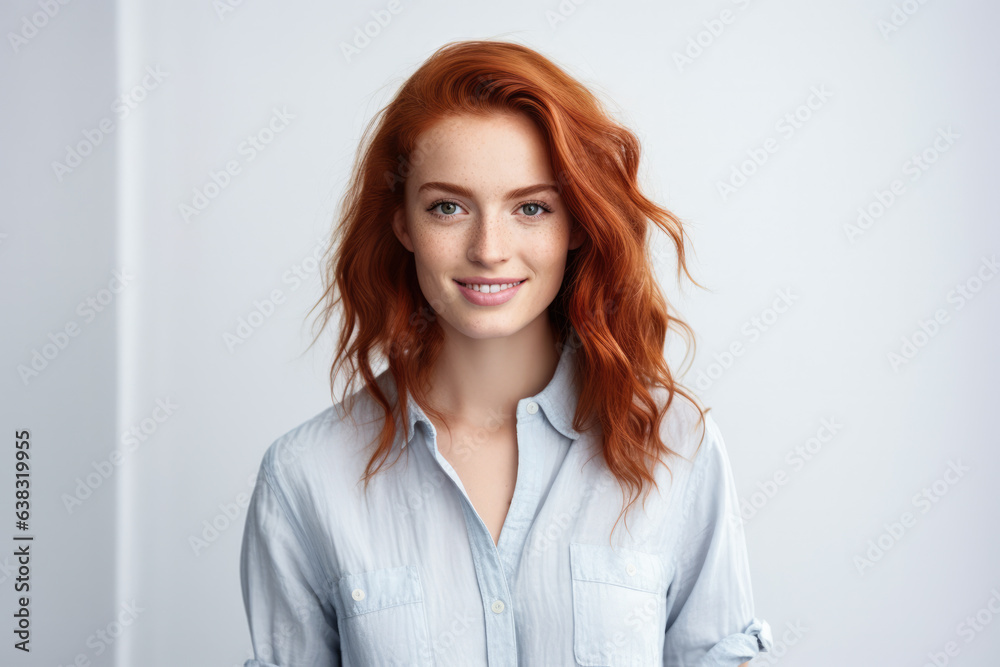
(489, 240)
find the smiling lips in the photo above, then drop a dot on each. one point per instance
(490, 288)
(489, 292)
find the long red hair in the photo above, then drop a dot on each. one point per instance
(609, 303)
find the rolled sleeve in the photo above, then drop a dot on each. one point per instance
(710, 610)
(292, 622)
(740, 647)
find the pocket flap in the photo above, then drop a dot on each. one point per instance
(621, 567)
(378, 589)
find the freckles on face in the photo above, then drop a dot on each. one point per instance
(482, 202)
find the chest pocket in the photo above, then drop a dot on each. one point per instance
(383, 620)
(619, 606)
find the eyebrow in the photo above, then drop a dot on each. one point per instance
(466, 192)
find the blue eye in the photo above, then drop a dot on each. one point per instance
(447, 209)
(444, 214)
(538, 208)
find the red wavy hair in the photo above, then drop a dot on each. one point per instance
(609, 301)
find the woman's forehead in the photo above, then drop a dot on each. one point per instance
(492, 155)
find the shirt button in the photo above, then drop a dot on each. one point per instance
(532, 408)
(630, 568)
(497, 606)
(358, 594)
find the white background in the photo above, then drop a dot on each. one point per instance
(825, 357)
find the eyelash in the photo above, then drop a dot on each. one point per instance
(433, 206)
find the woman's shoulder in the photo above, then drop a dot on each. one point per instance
(706, 480)
(697, 468)
(287, 450)
(333, 439)
(686, 426)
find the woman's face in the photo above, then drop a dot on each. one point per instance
(481, 203)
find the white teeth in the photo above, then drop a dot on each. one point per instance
(491, 289)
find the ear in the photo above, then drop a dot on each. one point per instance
(399, 228)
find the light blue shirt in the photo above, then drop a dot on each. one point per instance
(410, 575)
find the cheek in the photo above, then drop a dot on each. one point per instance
(555, 239)
(433, 254)
(549, 253)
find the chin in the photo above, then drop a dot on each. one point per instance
(487, 330)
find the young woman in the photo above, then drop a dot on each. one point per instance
(493, 249)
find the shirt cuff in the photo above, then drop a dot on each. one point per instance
(736, 649)
(258, 663)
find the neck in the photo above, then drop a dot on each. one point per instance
(478, 381)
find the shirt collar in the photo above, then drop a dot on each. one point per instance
(558, 400)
